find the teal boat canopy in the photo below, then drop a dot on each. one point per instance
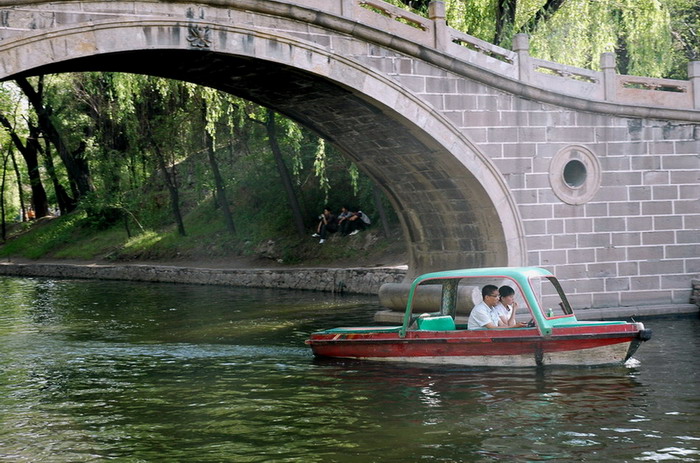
(536, 288)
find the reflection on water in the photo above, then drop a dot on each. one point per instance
(94, 371)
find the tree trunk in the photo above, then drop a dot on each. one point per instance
(221, 198)
(542, 15)
(505, 18)
(420, 6)
(76, 164)
(284, 174)
(40, 202)
(22, 206)
(65, 202)
(3, 219)
(29, 152)
(171, 183)
(380, 209)
(126, 225)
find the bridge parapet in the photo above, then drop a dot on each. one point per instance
(605, 85)
(434, 33)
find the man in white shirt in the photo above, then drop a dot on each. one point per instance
(485, 314)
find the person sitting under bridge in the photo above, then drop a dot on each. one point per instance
(328, 223)
(343, 220)
(353, 222)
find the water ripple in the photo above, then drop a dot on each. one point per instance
(93, 371)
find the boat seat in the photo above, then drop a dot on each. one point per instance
(436, 323)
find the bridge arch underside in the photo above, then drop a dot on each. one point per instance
(448, 218)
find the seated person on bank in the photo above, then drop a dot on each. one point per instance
(344, 220)
(328, 223)
(484, 315)
(354, 222)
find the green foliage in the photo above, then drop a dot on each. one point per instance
(86, 244)
(354, 178)
(654, 38)
(477, 18)
(647, 32)
(320, 169)
(638, 31)
(101, 212)
(576, 35)
(293, 140)
(132, 193)
(56, 234)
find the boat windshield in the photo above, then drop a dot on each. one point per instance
(457, 296)
(551, 297)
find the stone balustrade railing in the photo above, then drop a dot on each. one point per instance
(516, 65)
(605, 85)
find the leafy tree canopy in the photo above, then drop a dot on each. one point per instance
(654, 38)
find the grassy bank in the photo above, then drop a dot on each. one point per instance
(75, 237)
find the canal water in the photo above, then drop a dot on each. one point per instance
(139, 372)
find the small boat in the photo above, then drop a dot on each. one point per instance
(552, 336)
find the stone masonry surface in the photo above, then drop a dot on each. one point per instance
(489, 162)
(337, 280)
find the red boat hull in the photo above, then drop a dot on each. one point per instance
(581, 345)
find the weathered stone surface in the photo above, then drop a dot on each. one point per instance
(342, 280)
(467, 144)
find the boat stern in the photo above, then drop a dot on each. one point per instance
(643, 335)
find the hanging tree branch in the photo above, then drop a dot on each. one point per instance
(76, 164)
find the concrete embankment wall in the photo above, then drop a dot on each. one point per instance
(339, 280)
(346, 280)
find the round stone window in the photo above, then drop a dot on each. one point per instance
(574, 175)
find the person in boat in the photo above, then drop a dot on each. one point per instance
(506, 307)
(484, 314)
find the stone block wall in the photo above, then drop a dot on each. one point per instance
(609, 203)
(338, 280)
(635, 238)
(695, 297)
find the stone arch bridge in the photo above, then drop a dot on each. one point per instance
(490, 156)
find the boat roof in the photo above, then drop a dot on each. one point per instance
(516, 273)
